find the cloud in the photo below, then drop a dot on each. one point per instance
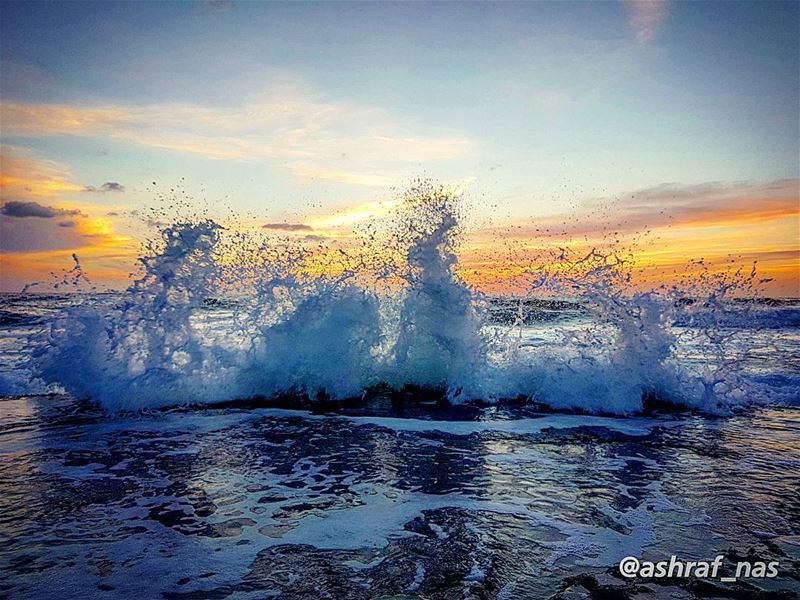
(726, 224)
(54, 119)
(25, 177)
(20, 209)
(712, 202)
(646, 16)
(288, 227)
(108, 186)
(351, 215)
(290, 123)
(38, 235)
(422, 149)
(306, 171)
(709, 204)
(33, 218)
(34, 229)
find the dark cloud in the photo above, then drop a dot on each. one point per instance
(38, 235)
(67, 224)
(108, 186)
(288, 227)
(21, 210)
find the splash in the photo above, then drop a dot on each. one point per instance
(219, 315)
(439, 342)
(632, 352)
(144, 350)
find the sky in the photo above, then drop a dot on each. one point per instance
(570, 118)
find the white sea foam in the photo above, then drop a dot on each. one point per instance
(288, 331)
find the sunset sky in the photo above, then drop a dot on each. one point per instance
(561, 122)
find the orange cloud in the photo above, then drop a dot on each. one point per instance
(290, 122)
(352, 215)
(55, 119)
(41, 225)
(724, 224)
(665, 227)
(24, 177)
(665, 205)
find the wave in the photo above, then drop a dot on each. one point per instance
(217, 316)
(751, 316)
(11, 319)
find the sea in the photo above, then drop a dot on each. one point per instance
(234, 426)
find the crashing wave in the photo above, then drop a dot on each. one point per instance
(216, 316)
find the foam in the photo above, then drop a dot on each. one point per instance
(286, 330)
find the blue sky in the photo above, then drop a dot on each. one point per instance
(297, 109)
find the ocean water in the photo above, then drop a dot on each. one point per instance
(240, 424)
(257, 502)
